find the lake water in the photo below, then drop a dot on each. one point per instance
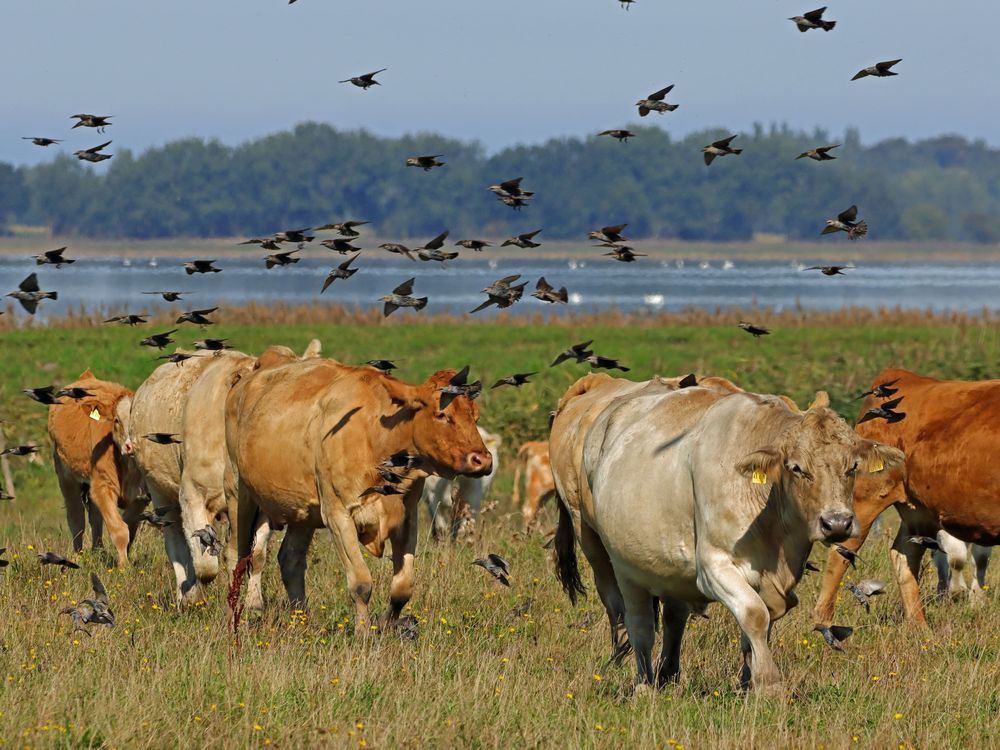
(117, 284)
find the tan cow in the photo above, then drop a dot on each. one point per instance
(533, 464)
(185, 480)
(94, 474)
(698, 495)
(304, 440)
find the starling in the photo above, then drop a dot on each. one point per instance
(29, 294)
(201, 266)
(502, 293)
(92, 121)
(605, 363)
(280, 259)
(426, 163)
(154, 520)
(40, 141)
(158, 340)
(623, 253)
(813, 20)
(755, 331)
(879, 70)
(401, 297)
(476, 245)
(548, 293)
(366, 81)
(340, 245)
(845, 222)
(212, 345)
(19, 450)
(266, 243)
(829, 270)
(720, 148)
(75, 393)
(44, 395)
(654, 102)
(611, 235)
(178, 358)
(510, 188)
(834, 635)
(169, 296)
(523, 240)
(401, 460)
(91, 610)
(459, 386)
(385, 365)
(52, 558)
(517, 380)
(343, 271)
(579, 352)
(882, 390)
(92, 155)
(626, 4)
(441, 256)
(163, 438)
(395, 247)
(407, 627)
(849, 555)
(130, 319)
(927, 542)
(621, 136)
(209, 540)
(344, 228)
(820, 153)
(53, 258)
(865, 589)
(517, 202)
(294, 236)
(197, 317)
(496, 566)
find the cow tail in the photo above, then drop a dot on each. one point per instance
(567, 569)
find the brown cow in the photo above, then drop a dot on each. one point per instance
(88, 436)
(949, 480)
(304, 440)
(533, 463)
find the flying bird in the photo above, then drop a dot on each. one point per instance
(623, 253)
(459, 385)
(169, 296)
(510, 188)
(197, 317)
(927, 542)
(366, 81)
(266, 243)
(849, 555)
(92, 121)
(878, 70)
(344, 228)
(94, 609)
(882, 390)
(426, 163)
(820, 153)
(813, 20)
(131, 319)
(753, 330)
(496, 566)
(548, 293)
(76, 393)
(340, 245)
(611, 235)
(53, 558)
(605, 363)
(53, 258)
(200, 266)
(29, 294)
(343, 271)
(810, 567)
(834, 635)
(432, 250)
(523, 240)
(19, 450)
(885, 411)
(395, 247)
(655, 102)
(163, 438)
(154, 520)
(45, 395)
(865, 589)
(212, 345)
(158, 340)
(517, 380)
(402, 297)
(846, 222)
(829, 270)
(209, 540)
(476, 245)
(92, 155)
(295, 236)
(401, 460)
(178, 358)
(40, 141)
(619, 135)
(502, 293)
(280, 259)
(720, 148)
(579, 352)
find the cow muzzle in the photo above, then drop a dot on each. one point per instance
(477, 464)
(837, 526)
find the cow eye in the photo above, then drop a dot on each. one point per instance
(799, 471)
(443, 417)
(853, 470)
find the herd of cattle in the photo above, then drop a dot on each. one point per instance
(679, 491)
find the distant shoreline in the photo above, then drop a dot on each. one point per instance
(833, 251)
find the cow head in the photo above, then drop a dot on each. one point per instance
(815, 462)
(445, 438)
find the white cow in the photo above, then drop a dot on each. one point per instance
(455, 503)
(698, 496)
(950, 562)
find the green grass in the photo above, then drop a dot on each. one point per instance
(475, 678)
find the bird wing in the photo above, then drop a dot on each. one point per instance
(828, 229)
(99, 590)
(884, 66)
(346, 265)
(860, 74)
(659, 95)
(483, 305)
(406, 288)
(848, 215)
(95, 149)
(709, 158)
(461, 377)
(824, 149)
(499, 562)
(892, 404)
(724, 143)
(512, 185)
(56, 254)
(614, 229)
(543, 285)
(815, 15)
(507, 280)
(528, 235)
(30, 284)
(437, 242)
(209, 311)
(579, 348)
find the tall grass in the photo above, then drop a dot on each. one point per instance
(477, 676)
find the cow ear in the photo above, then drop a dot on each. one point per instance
(313, 351)
(875, 457)
(820, 401)
(86, 375)
(762, 466)
(403, 394)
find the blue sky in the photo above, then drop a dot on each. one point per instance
(497, 71)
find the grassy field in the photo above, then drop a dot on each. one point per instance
(479, 676)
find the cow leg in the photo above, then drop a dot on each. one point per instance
(76, 514)
(906, 559)
(437, 507)
(194, 516)
(641, 626)
(95, 520)
(607, 589)
(359, 578)
(950, 561)
(179, 554)
(674, 618)
(130, 517)
(254, 543)
(292, 559)
(866, 514)
(404, 546)
(106, 500)
(980, 561)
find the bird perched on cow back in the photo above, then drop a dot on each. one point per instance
(385, 365)
(655, 102)
(496, 566)
(846, 221)
(178, 358)
(813, 20)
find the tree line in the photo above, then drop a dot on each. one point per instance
(945, 188)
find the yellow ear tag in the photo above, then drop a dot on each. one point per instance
(759, 477)
(877, 465)
(95, 415)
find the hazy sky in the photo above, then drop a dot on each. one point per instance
(499, 71)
